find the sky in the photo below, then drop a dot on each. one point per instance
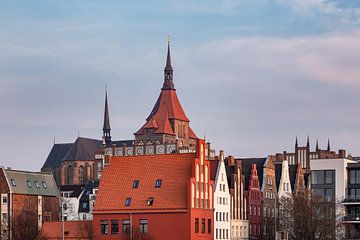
(251, 75)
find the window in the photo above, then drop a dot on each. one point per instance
(143, 224)
(328, 177)
(44, 185)
(114, 227)
(104, 226)
(196, 225)
(136, 184)
(317, 177)
(4, 199)
(203, 225)
(150, 201)
(128, 201)
(84, 205)
(158, 183)
(4, 216)
(217, 216)
(126, 226)
(13, 183)
(69, 179)
(28, 183)
(209, 225)
(354, 176)
(37, 184)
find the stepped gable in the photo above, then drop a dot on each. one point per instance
(57, 154)
(246, 169)
(83, 149)
(117, 182)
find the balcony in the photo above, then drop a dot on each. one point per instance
(351, 218)
(351, 200)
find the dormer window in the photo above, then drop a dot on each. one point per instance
(13, 183)
(44, 185)
(128, 201)
(136, 184)
(150, 201)
(158, 183)
(29, 183)
(37, 184)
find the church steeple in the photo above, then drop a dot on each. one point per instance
(328, 145)
(317, 145)
(106, 128)
(168, 72)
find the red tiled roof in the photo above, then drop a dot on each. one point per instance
(117, 183)
(213, 168)
(72, 230)
(167, 107)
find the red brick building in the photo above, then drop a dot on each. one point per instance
(167, 196)
(254, 203)
(27, 200)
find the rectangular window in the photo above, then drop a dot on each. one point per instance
(84, 205)
(104, 226)
(126, 226)
(158, 183)
(37, 184)
(357, 179)
(203, 225)
(209, 225)
(143, 224)
(217, 216)
(328, 177)
(13, 183)
(317, 177)
(4, 217)
(114, 227)
(4, 199)
(136, 184)
(328, 194)
(196, 225)
(128, 201)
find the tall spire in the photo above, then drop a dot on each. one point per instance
(317, 145)
(328, 145)
(168, 72)
(308, 142)
(106, 127)
(296, 142)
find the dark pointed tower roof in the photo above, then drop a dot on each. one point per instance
(308, 141)
(328, 145)
(106, 126)
(168, 72)
(296, 142)
(317, 145)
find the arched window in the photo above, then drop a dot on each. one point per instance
(82, 175)
(70, 174)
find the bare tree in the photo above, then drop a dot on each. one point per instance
(25, 225)
(306, 216)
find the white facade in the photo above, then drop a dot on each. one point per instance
(285, 185)
(221, 203)
(70, 208)
(341, 179)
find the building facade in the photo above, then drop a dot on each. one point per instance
(27, 200)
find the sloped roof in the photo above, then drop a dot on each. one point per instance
(117, 183)
(292, 175)
(83, 149)
(75, 189)
(42, 184)
(57, 154)
(72, 230)
(278, 172)
(213, 169)
(88, 189)
(246, 169)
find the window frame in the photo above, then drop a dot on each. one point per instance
(128, 201)
(158, 183)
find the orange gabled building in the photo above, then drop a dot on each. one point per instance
(167, 196)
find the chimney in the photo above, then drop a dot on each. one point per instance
(231, 160)
(342, 153)
(221, 155)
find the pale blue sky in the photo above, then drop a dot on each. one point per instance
(252, 74)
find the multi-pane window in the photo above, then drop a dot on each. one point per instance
(354, 176)
(104, 226)
(143, 225)
(203, 225)
(126, 226)
(354, 193)
(196, 225)
(4, 199)
(323, 177)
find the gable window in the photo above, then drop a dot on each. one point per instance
(158, 183)
(28, 183)
(136, 184)
(13, 182)
(126, 226)
(104, 226)
(114, 227)
(44, 185)
(143, 224)
(37, 184)
(128, 201)
(196, 225)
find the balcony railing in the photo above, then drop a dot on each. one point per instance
(352, 218)
(352, 199)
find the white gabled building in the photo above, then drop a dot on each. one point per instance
(284, 188)
(221, 198)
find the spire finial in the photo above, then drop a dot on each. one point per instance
(168, 71)
(328, 145)
(106, 126)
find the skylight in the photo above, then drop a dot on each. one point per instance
(128, 201)
(29, 183)
(136, 184)
(158, 183)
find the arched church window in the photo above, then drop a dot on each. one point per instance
(70, 174)
(82, 175)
